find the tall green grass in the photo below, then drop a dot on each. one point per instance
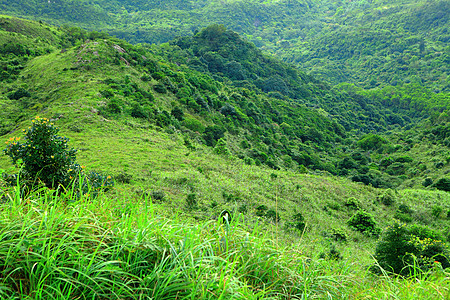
(66, 246)
(60, 245)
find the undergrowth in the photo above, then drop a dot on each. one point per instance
(63, 246)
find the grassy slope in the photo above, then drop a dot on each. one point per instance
(157, 160)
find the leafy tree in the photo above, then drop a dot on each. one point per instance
(371, 142)
(212, 134)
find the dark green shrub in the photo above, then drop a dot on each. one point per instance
(403, 208)
(396, 169)
(371, 142)
(242, 209)
(46, 157)
(298, 221)
(273, 216)
(352, 203)
(163, 119)
(158, 195)
(193, 124)
(339, 235)
(228, 110)
(331, 254)
(261, 210)
(402, 247)
(169, 85)
(146, 78)
(160, 88)
(367, 179)
(443, 184)
(114, 106)
(212, 134)
(436, 211)
(403, 217)
(221, 148)
(385, 162)
(230, 197)
(388, 197)
(303, 170)
(404, 159)
(347, 163)
(364, 222)
(191, 201)
(18, 94)
(244, 144)
(108, 93)
(123, 177)
(139, 111)
(188, 144)
(177, 113)
(193, 105)
(427, 182)
(439, 165)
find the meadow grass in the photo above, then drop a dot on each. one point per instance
(65, 245)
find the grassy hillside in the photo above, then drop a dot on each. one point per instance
(183, 147)
(179, 89)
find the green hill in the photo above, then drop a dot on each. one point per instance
(369, 43)
(184, 143)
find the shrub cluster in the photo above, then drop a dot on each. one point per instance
(364, 222)
(297, 221)
(403, 248)
(46, 158)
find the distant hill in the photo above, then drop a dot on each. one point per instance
(368, 43)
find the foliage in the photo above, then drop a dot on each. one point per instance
(331, 254)
(191, 201)
(309, 123)
(158, 195)
(371, 142)
(352, 203)
(387, 197)
(365, 42)
(443, 184)
(297, 221)
(364, 222)
(273, 216)
(318, 128)
(221, 147)
(44, 156)
(401, 248)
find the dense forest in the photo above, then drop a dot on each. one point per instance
(368, 43)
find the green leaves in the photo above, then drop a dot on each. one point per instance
(403, 248)
(44, 157)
